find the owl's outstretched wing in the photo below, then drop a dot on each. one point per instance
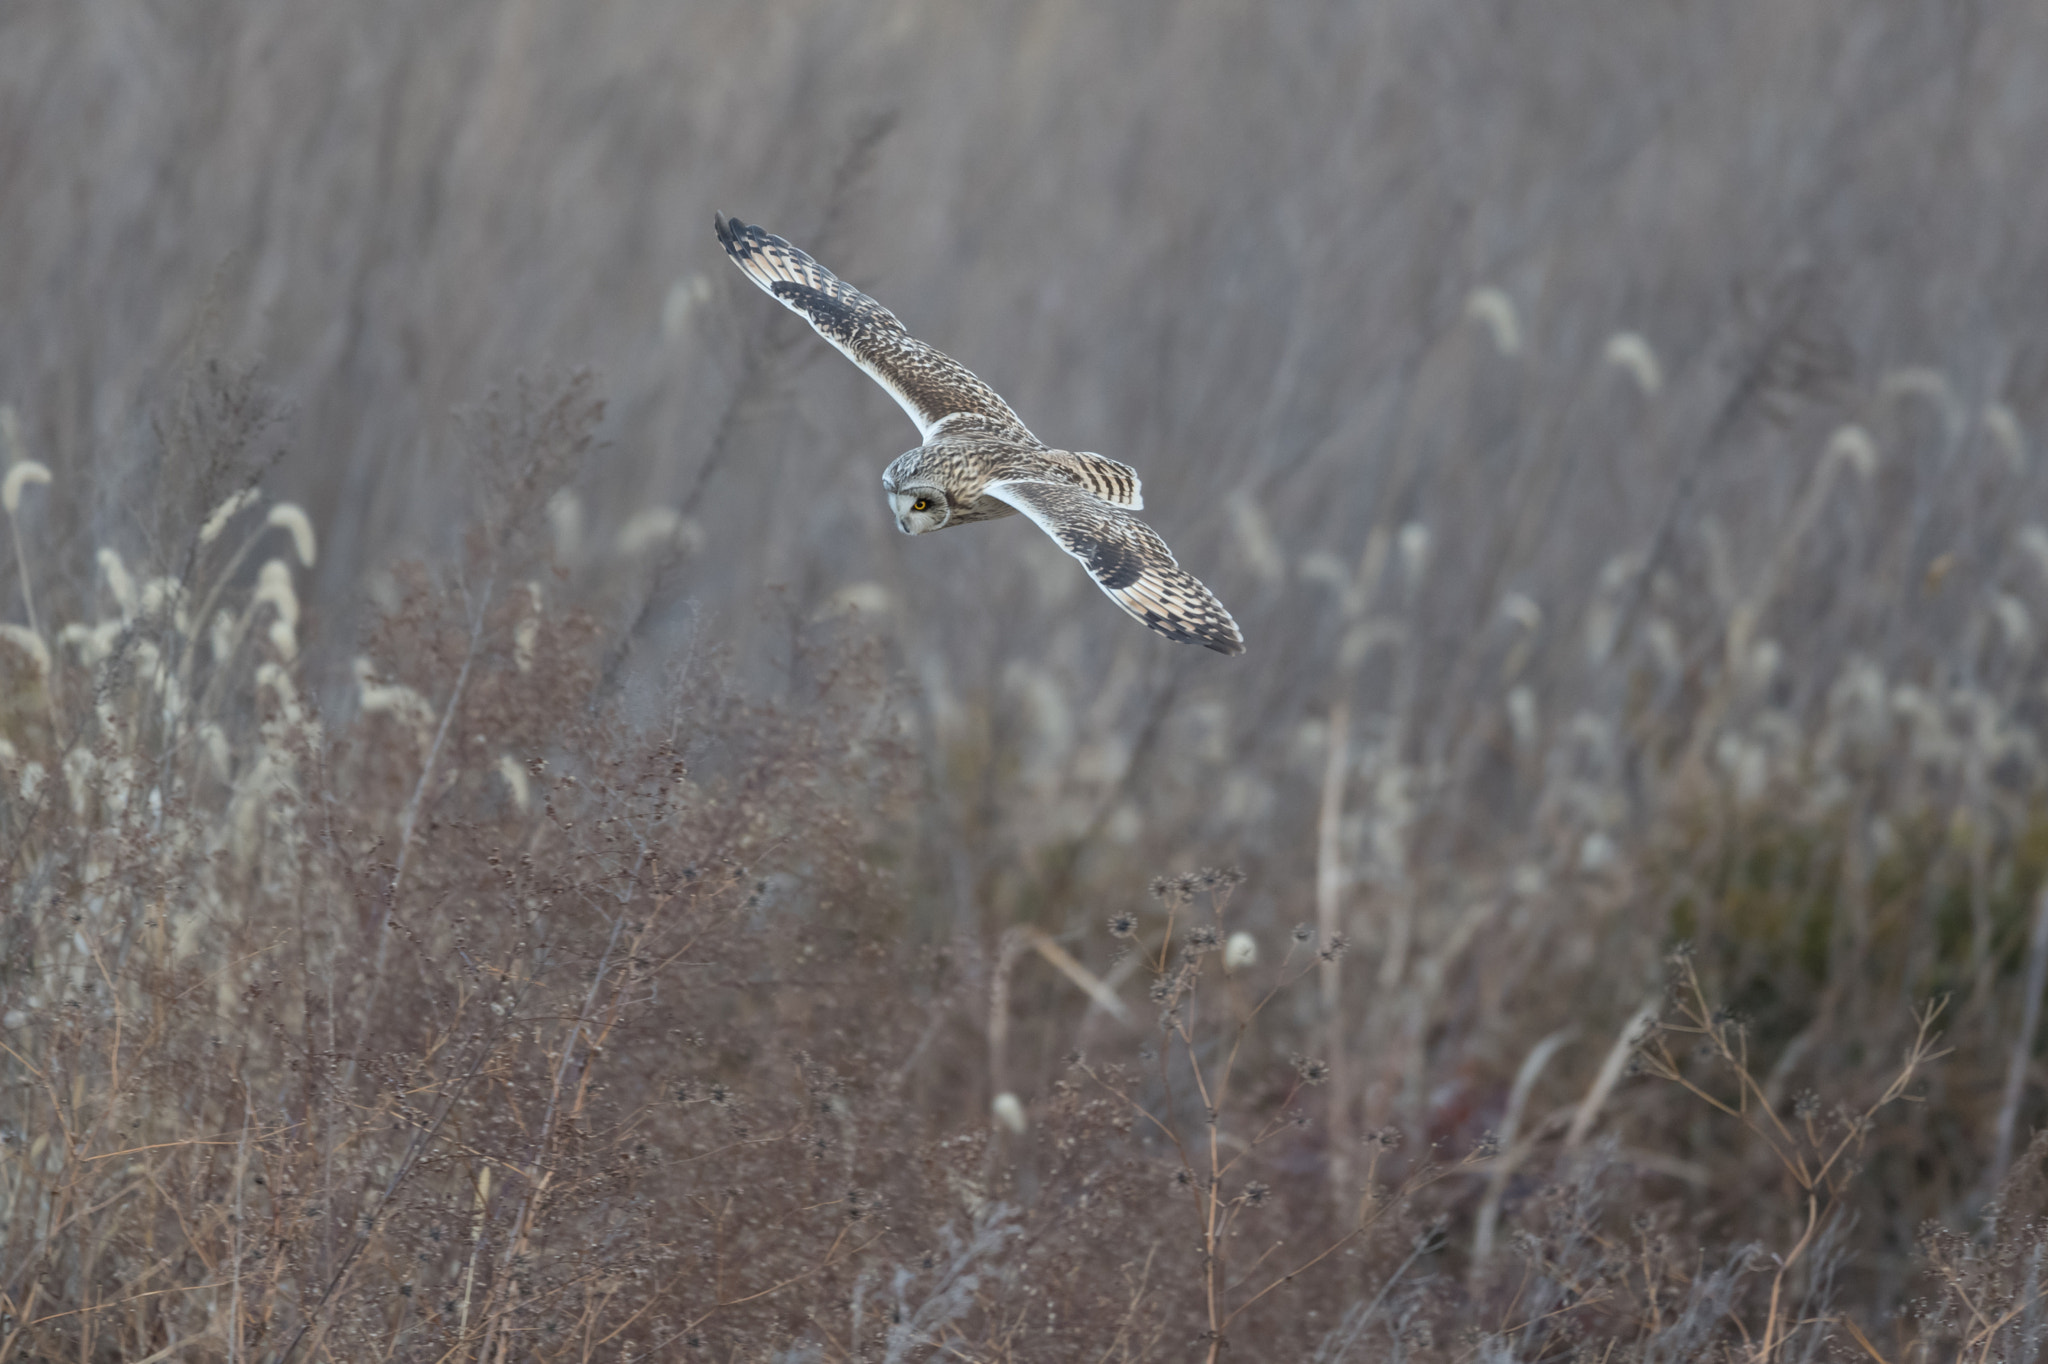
(1127, 559)
(930, 386)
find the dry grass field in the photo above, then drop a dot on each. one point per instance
(506, 854)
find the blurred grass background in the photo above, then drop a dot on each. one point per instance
(1617, 428)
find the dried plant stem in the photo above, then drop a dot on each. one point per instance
(234, 1332)
(1007, 952)
(2023, 1042)
(409, 823)
(1330, 876)
(1812, 1163)
(1512, 1151)
(53, 680)
(1611, 1068)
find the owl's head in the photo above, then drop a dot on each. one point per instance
(920, 507)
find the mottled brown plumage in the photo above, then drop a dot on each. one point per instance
(978, 461)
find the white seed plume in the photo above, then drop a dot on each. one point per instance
(1009, 1112)
(78, 768)
(1240, 952)
(565, 519)
(147, 661)
(1931, 739)
(1522, 721)
(222, 637)
(648, 528)
(30, 645)
(291, 518)
(1255, 541)
(1597, 852)
(526, 634)
(656, 528)
(1857, 702)
(2033, 542)
(1522, 610)
(93, 642)
(1496, 311)
(514, 777)
(1921, 381)
(276, 679)
(32, 775)
(217, 519)
(1631, 354)
(683, 296)
(1746, 765)
(862, 598)
(395, 698)
(2015, 625)
(1615, 573)
(1525, 613)
(213, 742)
(19, 476)
(1662, 637)
(1762, 664)
(1852, 445)
(2008, 434)
(1413, 543)
(118, 582)
(274, 587)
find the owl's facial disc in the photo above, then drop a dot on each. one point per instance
(920, 508)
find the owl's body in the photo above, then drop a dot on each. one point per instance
(963, 466)
(979, 462)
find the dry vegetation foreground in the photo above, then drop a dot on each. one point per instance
(497, 1025)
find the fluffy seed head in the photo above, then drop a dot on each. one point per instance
(118, 582)
(29, 644)
(1496, 311)
(19, 476)
(292, 519)
(514, 777)
(274, 586)
(1631, 354)
(1414, 542)
(1256, 542)
(231, 507)
(1851, 445)
(2007, 433)
(657, 528)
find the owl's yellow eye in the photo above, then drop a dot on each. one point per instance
(921, 504)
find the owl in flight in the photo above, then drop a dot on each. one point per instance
(978, 462)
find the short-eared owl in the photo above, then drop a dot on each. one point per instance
(978, 462)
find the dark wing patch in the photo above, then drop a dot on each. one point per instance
(929, 385)
(1127, 560)
(1111, 563)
